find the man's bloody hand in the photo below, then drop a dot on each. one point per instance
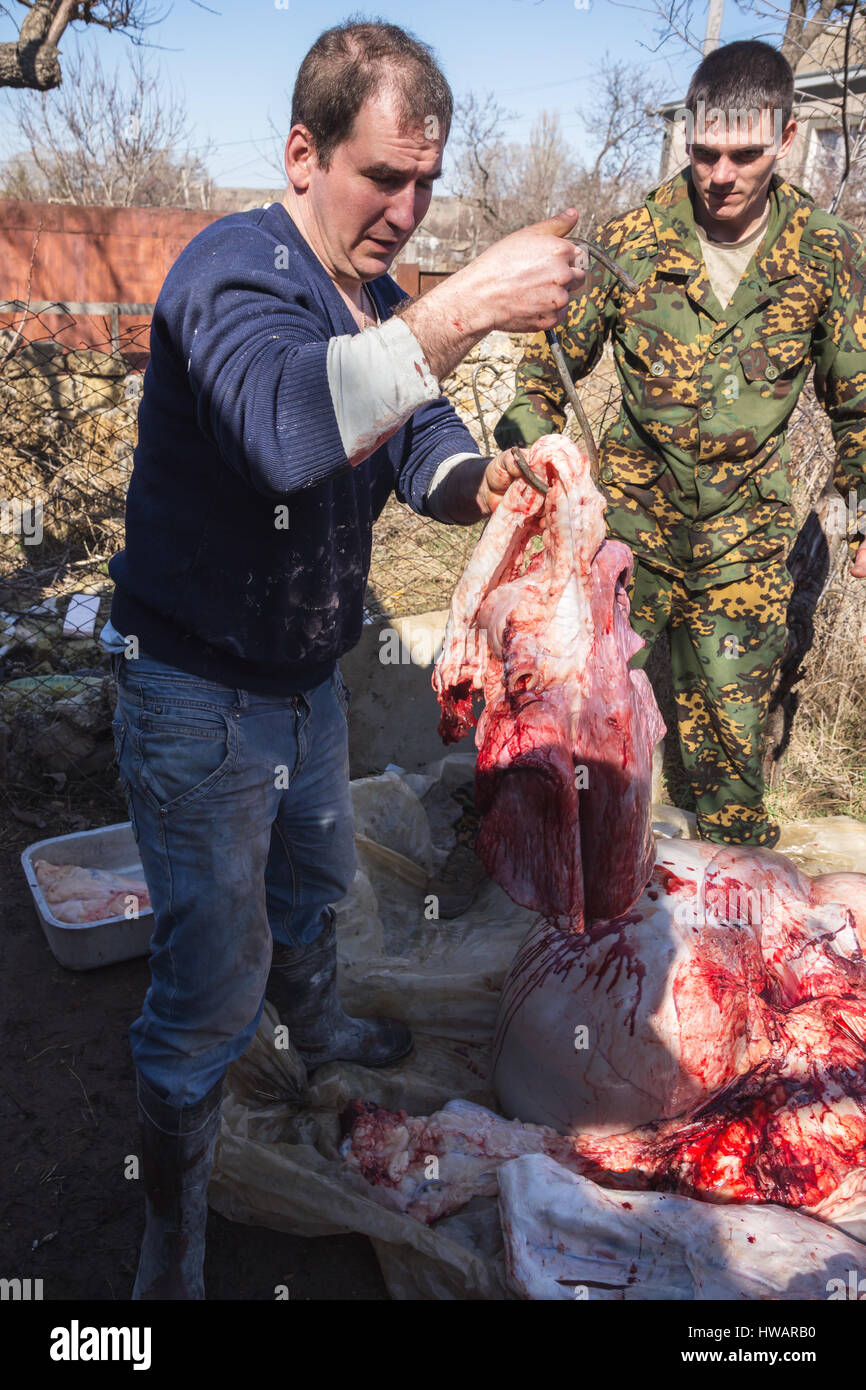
(475, 487)
(858, 569)
(499, 474)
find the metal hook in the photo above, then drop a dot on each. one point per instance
(570, 391)
(484, 436)
(559, 356)
(607, 261)
(532, 478)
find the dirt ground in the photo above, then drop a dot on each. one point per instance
(67, 1111)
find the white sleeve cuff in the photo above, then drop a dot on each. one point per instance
(377, 379)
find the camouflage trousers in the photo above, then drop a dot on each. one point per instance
(727, 643)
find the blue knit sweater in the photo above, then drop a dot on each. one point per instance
(236, 421)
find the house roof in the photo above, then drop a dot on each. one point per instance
(818, 72)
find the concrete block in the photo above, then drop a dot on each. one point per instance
(393, 713)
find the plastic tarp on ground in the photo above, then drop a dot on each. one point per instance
(278, 1161)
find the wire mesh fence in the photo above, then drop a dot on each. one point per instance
(416, 563)
(67, 435)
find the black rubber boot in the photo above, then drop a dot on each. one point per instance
(177, 1156)
(302, 986)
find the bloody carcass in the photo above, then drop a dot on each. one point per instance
(698, 1023)
(711, 1041)
(539, 627)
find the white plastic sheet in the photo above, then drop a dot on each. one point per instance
(277, 1161)
(566, 1237)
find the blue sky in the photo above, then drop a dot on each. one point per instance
(235, 61)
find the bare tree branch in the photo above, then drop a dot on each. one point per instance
(62, 16)
(846, 133)
(510, 185)
(481, 160)
(675, 17)
(802, 29)
(102, 140)
(272, 153)
(33, 61)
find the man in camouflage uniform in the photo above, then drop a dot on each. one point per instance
(697, 467)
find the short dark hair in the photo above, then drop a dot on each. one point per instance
(746, 75)
(350, 62)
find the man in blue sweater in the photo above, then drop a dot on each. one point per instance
(272, 430)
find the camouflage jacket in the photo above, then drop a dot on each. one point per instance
(697, 465)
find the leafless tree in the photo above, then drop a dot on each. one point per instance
(478, 134)
(511, 184)
(119, 138)
(33, 60)
(805, 23)
(849, 195)
(539, 176)
(801, 21)
(833, 35)
(622, 118)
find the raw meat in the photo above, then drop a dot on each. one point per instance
(392, 1151)
(849, 889)
(566, 736)
(431, 1166)
(697, 1028)
(566, 1238)
(88, 895)
(726, 1036)
(711, 1041)
(724, 1056)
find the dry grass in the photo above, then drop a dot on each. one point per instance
(416, 563)
(823, 772)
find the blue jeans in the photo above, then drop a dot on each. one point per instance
(241, 809)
